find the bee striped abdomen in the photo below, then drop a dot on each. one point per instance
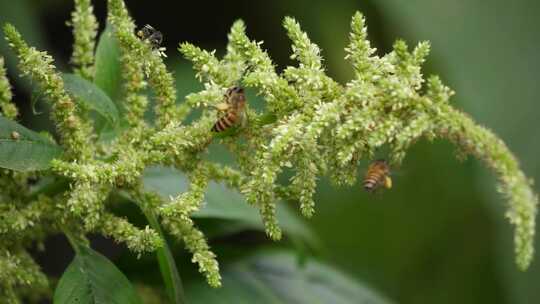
(372, 180)
(225, 122)
(234, 102)
(377, 175)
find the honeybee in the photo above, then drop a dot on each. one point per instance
(151, 35)
(377, 175)
(233, 109)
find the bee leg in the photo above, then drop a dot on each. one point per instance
(222, 106)
(388, 182)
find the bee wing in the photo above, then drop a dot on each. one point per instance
(149, 27)
(244, 119)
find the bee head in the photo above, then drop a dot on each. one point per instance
(145, 31)
(237, 97)
(236, 90)
(383, 164)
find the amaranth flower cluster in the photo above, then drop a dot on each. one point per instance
(311, 124)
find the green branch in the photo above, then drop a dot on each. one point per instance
(512, 183)
(85, 27)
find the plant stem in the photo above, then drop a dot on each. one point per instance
(72, 241)
(167, 265)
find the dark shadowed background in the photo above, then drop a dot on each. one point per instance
(439, 236)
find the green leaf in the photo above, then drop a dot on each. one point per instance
(91, 96)
(24, 15)
(50, 186)
(22, 149)
(108, 132)
(276, 277)
(224, 203)
(91, 279)
(167, 264)
(108, 74)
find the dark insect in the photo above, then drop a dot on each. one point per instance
(151, 35)
(232, 108)
(377, 175)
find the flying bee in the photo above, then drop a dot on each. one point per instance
(232, 108)
(15, 135)
(377, 175)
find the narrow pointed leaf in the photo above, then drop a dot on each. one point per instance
(108, 75)
(91, 96)
(22, 149)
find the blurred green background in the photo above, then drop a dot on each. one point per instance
(439, 236)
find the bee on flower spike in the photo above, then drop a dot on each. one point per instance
(232, 108)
